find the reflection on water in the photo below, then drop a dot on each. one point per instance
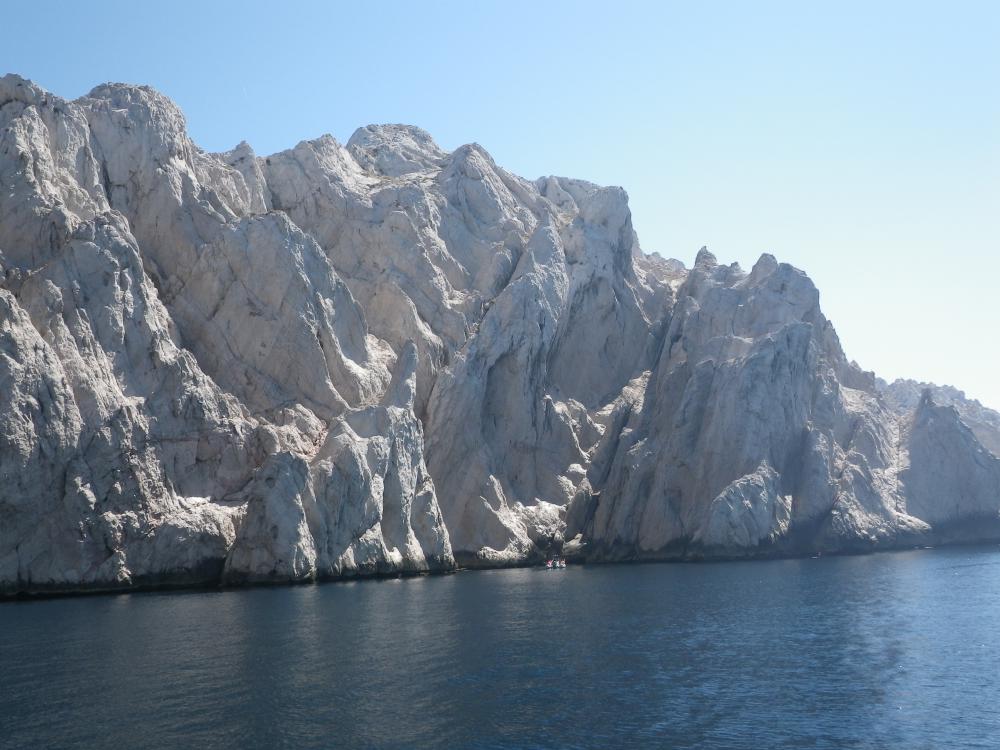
(895, 650)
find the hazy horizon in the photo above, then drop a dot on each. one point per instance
(861, 145)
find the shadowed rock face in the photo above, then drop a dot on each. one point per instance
(904, 396)
(382, 357)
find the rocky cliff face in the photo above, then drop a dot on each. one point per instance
(384, 358)
(905, 396)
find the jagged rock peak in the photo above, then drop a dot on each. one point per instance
(705, 260)
(765, 266)
(141, 102)
(395, 150)
(16, 88)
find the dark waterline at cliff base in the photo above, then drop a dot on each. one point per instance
(894, 650)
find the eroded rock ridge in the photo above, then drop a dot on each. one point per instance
(385, 358)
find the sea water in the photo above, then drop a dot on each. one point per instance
(895, 650)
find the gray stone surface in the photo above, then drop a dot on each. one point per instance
(384, 358)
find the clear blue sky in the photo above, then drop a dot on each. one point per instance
(858, 141)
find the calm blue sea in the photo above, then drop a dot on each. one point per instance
(897, 650)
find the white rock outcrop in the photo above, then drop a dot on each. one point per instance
(384, 358)
(756, 436)
(181, 369)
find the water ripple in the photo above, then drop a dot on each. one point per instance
(894, 650)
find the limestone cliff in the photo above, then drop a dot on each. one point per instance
(382, 357)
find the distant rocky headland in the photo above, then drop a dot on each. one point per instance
(383, 358)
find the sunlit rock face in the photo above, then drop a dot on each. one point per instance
(754, 435)
(382, 358)
(190, 391)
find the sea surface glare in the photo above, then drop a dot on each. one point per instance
(897, 650)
